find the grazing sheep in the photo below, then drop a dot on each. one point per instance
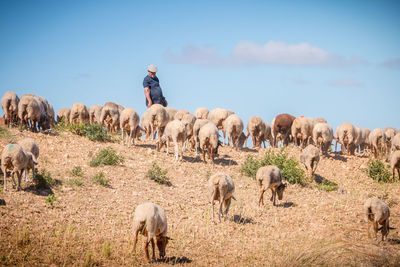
(159, 118)
(208, 136)
(151, 221)
(196, 129)
(49, 110)
(318, 120)
(221, 188)
(361, 141)
(270, 177)
(129, 121)
(376, 211)
(256, 128)
(279, 137)
(189, 121)
(95, 113)
(377, 141)
(63, 114)
(267, 135)
(180, 113)
(201, 113)
(146, 123)
(218, 116)
(283, 124)
(233, 126)
(110, 116)
(242, 139)
(323, 136)
(301, 130)
(16, 159)
(29, 145)
(395, 162)
(79, 113)
(396, 142)
(9, 103)
(310, 158)
(31, 109)
(171, 113)
(174, 131)
(346, 135)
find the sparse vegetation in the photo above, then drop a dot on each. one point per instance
(51, 199)
(101, 180)
(43, 180)
(289, 167)
(107, 156)
(327, 185)
(107, 249)
(75, 182)
(378, 171)
(77, 171)
(4, 132)
(23, 238)
(158, 175)
(94, 131)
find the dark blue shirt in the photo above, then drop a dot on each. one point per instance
(156, 94)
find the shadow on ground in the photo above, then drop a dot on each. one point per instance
(242, 220)
(175, 260)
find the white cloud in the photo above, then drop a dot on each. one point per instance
(392, 63)
(272, 52)
(346, 82)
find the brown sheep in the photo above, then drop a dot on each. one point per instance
(270, 177)
(376, 211)
(282, 125)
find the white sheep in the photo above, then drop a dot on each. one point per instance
(79, 113)
(376, 211)
(29, 145)
(301, 130)
(377, 142)
(95, 113)
(32, 109)
(158, 116)
(129, 121)
(318, 120)
(201, 113)
(14, 158)
(310, 158)
(396, 142)
(221, 188)
(270, 177)
(323, 136)
(171, 113)
(395, 162)
(256, 128)
(196, 129)
(174, 131)
(63, 114)
(361, 141)
(208, 136)
(390, 132)
(179, 114)
(233, 126)
(267, 135)
(150, 220)
(189, 121)
(146, 123)
(346, 135)
(110, 116)
(218, 116)
(9, 103)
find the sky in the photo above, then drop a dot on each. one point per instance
(339, 60)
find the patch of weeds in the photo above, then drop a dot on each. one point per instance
(1, 190)
(96, 132)
(43, 180)
(289, 167)
(5, 133)
(378, 171)
(76, 128)
(101, 180)
(74, 182)
(61, 125)
(107, 156)
(77, 171)
(107, 249)
(158, 175)
(208, 175)
(327, 185)
(250, 167)
(23, 238)
(90, 261)
(51, 199)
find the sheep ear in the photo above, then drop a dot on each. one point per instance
(33, 158)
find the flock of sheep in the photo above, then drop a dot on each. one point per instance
(201, 132)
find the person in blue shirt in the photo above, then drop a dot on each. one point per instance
(152, 89)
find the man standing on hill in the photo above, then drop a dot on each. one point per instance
(152, 89)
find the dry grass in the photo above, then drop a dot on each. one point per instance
(90, 225)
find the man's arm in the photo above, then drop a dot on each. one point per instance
(147, 94)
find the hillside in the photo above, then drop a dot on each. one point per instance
(91, 225)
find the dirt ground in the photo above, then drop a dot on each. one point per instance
(91, 225)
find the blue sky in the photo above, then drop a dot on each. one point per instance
(339, 59)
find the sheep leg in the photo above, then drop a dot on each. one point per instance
(176, 149)
(253, 139)
(5, 173)
(196, 146)
(398, 173)
(152, 247)
(375, 225)
(130, 138)
(227, 205)
(19, 176)
(261, 198)
(245, 140)
(135, 241)
(146, 250)
(212, 154)
(204, 154)
(221, 202)
(212, 207)
(385, 229)
(123, 140)
(12, 176)
(273, 196)
(183, 149)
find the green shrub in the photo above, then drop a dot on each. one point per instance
(74, 182)
(95, 132)
(76, 128)
(327, 185)
(250, 167)
(4, 132)
(43, 180)
(377, 170)
(158, 175)
(101, 180)
(51, 199)
(289, 167)
(77, 171)
(107, 156)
